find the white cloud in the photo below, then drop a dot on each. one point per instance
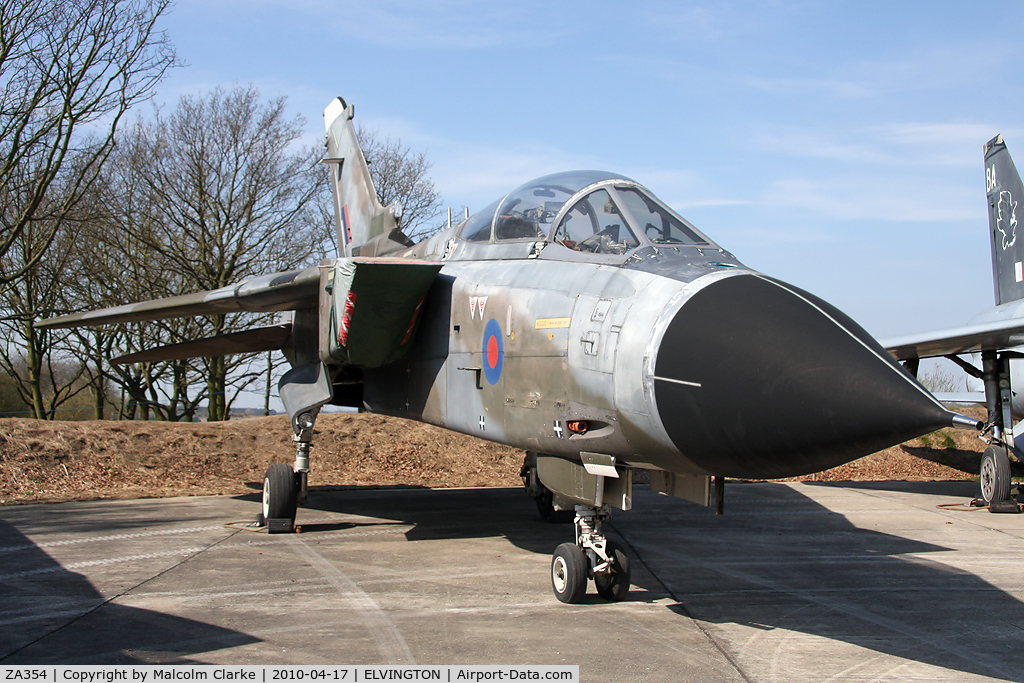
(439, 24)
(710, 201)
(884, 145)
(916, 133)
(908, 74)
(892, 198)
(782, 235)
(810, 86)
(708, 22)
(818, 144)
(683, 189)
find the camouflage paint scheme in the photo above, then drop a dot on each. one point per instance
(577, 299)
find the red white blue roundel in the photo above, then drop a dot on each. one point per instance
(494, 352)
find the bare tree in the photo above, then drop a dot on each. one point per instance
(116, 262)
(44, 380)
(11, 402)
(400, 174)
(70, 69)
(229, 195)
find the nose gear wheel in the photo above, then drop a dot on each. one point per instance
(592, 556)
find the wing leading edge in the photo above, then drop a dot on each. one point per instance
(285, 291)
(363, 312)
(1000, 334)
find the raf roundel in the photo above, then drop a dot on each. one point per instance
(494, 352)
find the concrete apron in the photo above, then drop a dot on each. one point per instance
(796, 582)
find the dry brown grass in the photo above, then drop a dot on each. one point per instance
(55, 461)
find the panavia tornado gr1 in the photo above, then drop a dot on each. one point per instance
(578, 318)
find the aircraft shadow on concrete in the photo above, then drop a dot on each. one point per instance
(438, 514)
(72, 518)
(809, 570)
(39, 598)
(805, 569)
(964, 460)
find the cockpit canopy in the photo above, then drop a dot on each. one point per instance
(586, 211)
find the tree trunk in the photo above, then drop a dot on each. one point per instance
(216, 389)
(34, 367)
(99, 389)
(266, 395)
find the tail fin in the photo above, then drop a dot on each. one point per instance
(1004, 189)
(358, 214)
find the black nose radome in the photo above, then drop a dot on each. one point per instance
(756, 378)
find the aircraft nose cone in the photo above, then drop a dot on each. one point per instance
(756, 378)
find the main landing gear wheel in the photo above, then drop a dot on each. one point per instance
(995, 475)
(280, 497)
(545, 505)
(569, 568)
(614, 584)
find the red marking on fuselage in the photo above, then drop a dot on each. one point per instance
(492, 351)
(346, 233)
(346, 318)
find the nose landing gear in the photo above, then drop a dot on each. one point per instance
(591, 557)
(588, 483)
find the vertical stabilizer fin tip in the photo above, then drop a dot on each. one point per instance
(997, 140)
(359, 215)
(336, 108)
(1004, 190)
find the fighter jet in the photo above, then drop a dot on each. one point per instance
(996, 334)
(578, 318)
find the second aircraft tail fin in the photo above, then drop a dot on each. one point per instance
(1004, 189)
(358, 214)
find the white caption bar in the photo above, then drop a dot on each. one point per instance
(156, 673)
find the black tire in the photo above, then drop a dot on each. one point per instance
(280, 498)
(545, 505)
(995, 475)
(569, 573)
(546, 508)
(614, 585)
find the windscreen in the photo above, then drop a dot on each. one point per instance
(660, 226)
(595, 224)
(527, 213)
(478, 227)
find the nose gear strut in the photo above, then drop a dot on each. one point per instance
(593, 556)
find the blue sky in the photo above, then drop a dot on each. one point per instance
(835, 145)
